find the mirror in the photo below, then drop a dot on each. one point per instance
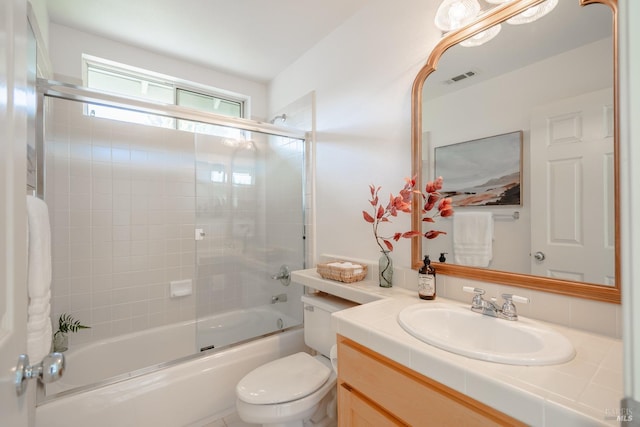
(506, 72)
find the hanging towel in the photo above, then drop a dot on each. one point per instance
(39, 329)
(472, 238)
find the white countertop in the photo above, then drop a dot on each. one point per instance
(583, 392)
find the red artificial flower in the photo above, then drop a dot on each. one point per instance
(434, 186)
(402, 203)
(432, 234)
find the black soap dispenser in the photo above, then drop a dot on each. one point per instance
(427, 280)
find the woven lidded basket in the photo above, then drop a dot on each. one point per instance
(342, 271)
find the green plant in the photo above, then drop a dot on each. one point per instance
(66, 324)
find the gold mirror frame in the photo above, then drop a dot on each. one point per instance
(557, 286)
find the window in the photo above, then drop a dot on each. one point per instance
(117, 81)
(122, 80)
(211, 103)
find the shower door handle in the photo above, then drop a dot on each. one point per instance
(49, 370)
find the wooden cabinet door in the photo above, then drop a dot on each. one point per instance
(373, 387)
(354, 410)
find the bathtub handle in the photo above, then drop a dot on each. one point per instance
(50, 369)
(284, 275)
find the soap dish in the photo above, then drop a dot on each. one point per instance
(342, 271)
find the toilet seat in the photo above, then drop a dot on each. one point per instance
(283, 380)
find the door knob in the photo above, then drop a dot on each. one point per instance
(539, 256)
(50, 369)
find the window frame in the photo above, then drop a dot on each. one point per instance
(127, 71)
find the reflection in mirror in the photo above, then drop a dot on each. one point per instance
(552, 80)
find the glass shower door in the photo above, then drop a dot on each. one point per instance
(249, 223)
(127, 187)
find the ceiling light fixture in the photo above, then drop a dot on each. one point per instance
(482, 37)
(533, 13)
(453, 14)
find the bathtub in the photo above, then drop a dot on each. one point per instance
(240, 325)
(196, 390)
(129, 353)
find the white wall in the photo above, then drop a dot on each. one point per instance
(41, 14)
(67, 45)
(362, 75)
(630, 194)
(121, 198)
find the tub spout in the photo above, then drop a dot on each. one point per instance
(279, 298)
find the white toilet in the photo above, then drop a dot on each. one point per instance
(297, 390)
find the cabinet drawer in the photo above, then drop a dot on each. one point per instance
(408, 395)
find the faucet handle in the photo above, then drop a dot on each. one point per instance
(509, 311)
(284, 275)
(472, 290)
(516, 298)
(476, 302)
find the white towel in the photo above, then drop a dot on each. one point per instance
(473, 238)
(39, 305)
(39, 330)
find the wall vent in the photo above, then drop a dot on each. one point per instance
(460, 77)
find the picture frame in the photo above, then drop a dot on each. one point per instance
(482, 172)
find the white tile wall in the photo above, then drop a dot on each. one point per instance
(249, 231)
(593, 316)
(125, 200)
(301, 114)
(579, 313)
(122, 201)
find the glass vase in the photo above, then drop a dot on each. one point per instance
(385, 270)
(60, 343)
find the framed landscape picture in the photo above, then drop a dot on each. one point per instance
(482, 172)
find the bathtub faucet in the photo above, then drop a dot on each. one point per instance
(284, 275)
(279, 298)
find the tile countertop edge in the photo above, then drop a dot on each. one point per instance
(382, 334)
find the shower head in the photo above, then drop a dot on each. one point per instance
(282, 117)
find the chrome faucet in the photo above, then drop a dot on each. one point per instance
(284, 275)
(491, 308)
(279, 298)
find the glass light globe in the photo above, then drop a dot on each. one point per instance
(533, 13)
(453, 14)
(482, 37)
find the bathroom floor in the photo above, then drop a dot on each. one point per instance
(231, 420)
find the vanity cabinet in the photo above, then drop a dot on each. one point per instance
(376, 391)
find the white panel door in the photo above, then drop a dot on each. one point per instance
(14, 409)
(572, 191)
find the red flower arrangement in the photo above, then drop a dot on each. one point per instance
(431, 198)
(402, 203)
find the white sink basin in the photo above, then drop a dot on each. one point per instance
(459, 330)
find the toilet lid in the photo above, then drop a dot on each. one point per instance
(283, 380)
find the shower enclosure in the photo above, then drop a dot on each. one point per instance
(169, 229)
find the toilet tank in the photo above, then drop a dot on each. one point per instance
(319, 333)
